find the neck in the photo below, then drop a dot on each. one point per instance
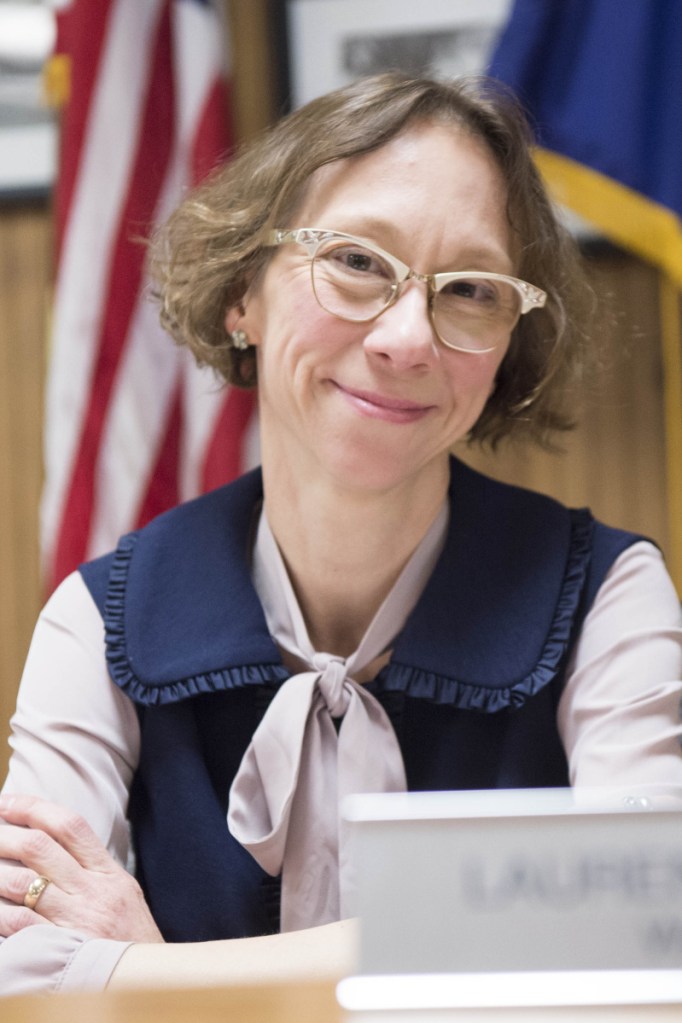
(345, 549)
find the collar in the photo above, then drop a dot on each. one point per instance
(283, 613)
(491, 627)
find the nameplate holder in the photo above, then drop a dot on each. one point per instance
(514, 881)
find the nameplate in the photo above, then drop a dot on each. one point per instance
(468, 882)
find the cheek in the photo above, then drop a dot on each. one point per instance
(290, 305)
(305, 335)
(297, 347)
(472, 377)
(278, 301)
(488, 370)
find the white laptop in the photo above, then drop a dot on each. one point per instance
(484, 899)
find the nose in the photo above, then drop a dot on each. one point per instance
(402, 336)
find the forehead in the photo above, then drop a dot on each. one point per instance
(433, 181)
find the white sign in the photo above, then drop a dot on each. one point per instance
(540, 889)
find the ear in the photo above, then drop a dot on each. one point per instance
(241, 316)
(233, 316)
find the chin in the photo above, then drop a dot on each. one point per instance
(372, 469)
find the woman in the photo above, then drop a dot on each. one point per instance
(366, 613)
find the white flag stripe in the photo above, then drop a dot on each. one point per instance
(133, 431)
(204, 397)
(136, 416)
(199, 47)
(108, 150)
(148, 374)
(200, 61)
(153, 103)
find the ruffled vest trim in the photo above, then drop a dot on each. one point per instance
(492, 628)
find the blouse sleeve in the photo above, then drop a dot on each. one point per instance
(619, 714)
(47, 960)
(75, 741)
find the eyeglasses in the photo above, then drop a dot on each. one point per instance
(357, 281)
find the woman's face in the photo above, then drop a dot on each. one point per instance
(379, 404)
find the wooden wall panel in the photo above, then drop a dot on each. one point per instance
(615, 461)
(25, 258)
(254, 65)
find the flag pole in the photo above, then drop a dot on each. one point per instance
(671, 350)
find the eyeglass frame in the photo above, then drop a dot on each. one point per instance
(311, 238)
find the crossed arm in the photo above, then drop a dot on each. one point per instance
(95, 896)
(76, 743)
(619, 719)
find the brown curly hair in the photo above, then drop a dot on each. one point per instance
(213, 246)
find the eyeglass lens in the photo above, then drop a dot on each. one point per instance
(356, 283)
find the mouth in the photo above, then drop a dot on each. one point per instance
(382, 406)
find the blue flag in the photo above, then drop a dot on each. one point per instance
(602, 80)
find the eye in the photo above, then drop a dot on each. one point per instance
(477, 291)
(354, 259)
(358, 261)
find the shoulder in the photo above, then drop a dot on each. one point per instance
(523, 513)
(639, 576)
(516, 576)
(180, 613)
(181, 537)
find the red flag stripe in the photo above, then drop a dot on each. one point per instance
(197, 58)
(102, 184)
(92, 27)
(163, 490)
(210, 137)
(154, 148)
(132, 426)
(225, 452)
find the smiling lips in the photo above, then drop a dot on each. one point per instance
(380, 406)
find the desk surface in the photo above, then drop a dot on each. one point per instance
(302, 1003)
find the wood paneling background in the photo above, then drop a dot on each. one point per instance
(25, 270)
(615, 462)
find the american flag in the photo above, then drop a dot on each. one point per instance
(132, 426)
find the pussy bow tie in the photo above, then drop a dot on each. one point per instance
(285, 798)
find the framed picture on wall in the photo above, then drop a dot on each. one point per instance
(331, 42)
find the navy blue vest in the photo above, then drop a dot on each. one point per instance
(471, 688)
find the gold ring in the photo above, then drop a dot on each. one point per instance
(35, 890)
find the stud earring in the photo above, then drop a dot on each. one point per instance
(240, 340)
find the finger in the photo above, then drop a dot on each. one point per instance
(41, 854)
(15, 882)
(17, 918)
(68, 829)
(96, 897)
(14, 916)
(103, 906)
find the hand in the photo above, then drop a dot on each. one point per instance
(88, 890)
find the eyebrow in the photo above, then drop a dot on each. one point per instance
(484, 259)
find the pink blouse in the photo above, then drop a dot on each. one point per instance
(76, 735)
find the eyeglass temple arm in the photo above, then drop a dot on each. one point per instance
(302, 235)
(531, 297)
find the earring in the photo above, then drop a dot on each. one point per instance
(240, 340)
